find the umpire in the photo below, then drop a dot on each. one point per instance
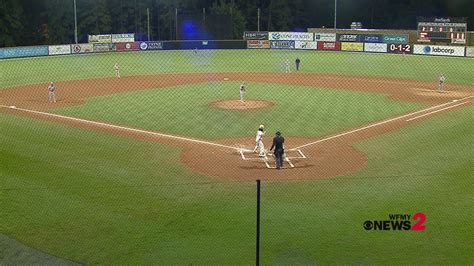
(297, 62)
(278, 141)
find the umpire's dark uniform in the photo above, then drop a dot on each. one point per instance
(297, 62)
(278, 141)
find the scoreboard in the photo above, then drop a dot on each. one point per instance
(452, 30)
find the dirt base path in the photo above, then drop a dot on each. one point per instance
(328, 156)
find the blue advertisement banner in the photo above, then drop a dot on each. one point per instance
(372, 38)
(151, 46)
(396, 38)
(15, 52)
(282, 44)
(348, 37)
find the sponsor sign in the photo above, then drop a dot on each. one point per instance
(352, 46)
(128, 46)
(23, 51)
(258, 44)
(303, 45)
(458, 41)
(398, 48)
(438, 50)
(126, 37)
(255, 35)
(375, 47)
(104, 47)
(372, 38)
(470, 51)
(332, 46)
(291, 36)
(82, 48)
(282, 44)
(104, 38)
(348, 37)
(151, 46)
(396, 38)
(59, 49)
(325, 37)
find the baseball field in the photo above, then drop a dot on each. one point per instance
(156, 166)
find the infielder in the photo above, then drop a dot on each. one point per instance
(441, 80)
(117, 70)
(259, 142)
(51, 92)
(242, 91)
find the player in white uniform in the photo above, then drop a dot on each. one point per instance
(51, 92)
(117, 70)
(242, 91)
(259, 142)
(287, 66)
(441, 80)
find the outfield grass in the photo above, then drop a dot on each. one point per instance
(186, 110)
(57, 68)
(88, 204)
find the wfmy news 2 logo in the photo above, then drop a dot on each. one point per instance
(398, 222)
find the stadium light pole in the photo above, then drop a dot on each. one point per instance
(335, 15)
(75, 22)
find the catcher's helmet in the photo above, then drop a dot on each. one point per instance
(261, 127)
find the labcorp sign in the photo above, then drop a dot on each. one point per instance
(439, 50)
(291, 36)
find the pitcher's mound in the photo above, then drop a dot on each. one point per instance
(236, 104)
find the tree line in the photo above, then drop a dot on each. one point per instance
(34, 22)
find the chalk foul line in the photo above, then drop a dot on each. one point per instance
(121, 127)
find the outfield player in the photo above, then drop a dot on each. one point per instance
(51, 92)
(297, 63)
(259, 142)
(287, 66)
(117, 70)
(441, 80)
(242, 91)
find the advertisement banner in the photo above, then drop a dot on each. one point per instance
(470, 51)
(104, 38)
(14, 52)
(151, 46)
(331, 46)
(398, 48)
(255, 35)
(59, 49)
(352, 46)
(126, 37)
(303, 45)
(82, 48)
(291, 36)
(104, 47)
(282, 44)
(325, 37)
(258, 44)
(438, 50)
(396, 38)
(375, 47)
(128, 46)
(348, 38)
(372, 38)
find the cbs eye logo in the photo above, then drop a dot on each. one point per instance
(368, 225)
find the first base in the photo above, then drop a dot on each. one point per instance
(13, 106)
(226, 78)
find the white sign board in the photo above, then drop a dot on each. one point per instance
(438, 50)
(470, 51)
(325, 37)
(303, 45)
(59, 49)
(375, 47)
(291, 36)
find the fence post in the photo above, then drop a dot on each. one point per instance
(258, 225)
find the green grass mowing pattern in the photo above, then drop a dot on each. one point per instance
(186, 110)
(58, 68)
(80, 195)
